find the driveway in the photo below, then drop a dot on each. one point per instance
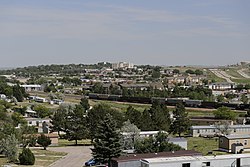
(76, 157)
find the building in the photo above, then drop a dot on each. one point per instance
(212, 130)
(133, 160)
(122, 65)
(221, 86)
(29, 88)
(235, 160)
(42, 125)
(229, 143)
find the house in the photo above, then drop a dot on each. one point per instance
(212, 130)
(229, 143)
(133, 160)
(235, 160)
(42, 125)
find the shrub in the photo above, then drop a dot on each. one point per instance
(44, 141)
(26, 157)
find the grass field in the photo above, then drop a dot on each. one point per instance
(204, 145)
(64, 142)
(211, 76)
(234, 73)
(242, 80)
(43, 158)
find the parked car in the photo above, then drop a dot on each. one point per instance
(94, 162)
(91, 162)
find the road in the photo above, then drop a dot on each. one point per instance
(76, 157)
(242, 73)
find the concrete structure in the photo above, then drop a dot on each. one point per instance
(235, 160)
(229, 143)
(133, 160)
(212, 130)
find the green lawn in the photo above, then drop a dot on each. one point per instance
(121, 106)
(242, 80)
(64, 142)
(43, 158)
(204, 145)
(234, 73)
(212, 76)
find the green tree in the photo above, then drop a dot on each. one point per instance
(96, 115)
(17, 118)
(85, 103)
(27, 157)
(76, 125)
(130, 135)
(133, 115)
(160, 116)
(18, 93)
(159, 143)
(156, 73)
(107, 141)
(181, 121)
(224, 113)
(41, 111)
(59, 120)
(9, 147)
(44, 141)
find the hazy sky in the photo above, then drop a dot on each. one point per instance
(163, 32)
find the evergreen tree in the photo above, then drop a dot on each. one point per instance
(44, 141)
(107, 143)
(133, 115)
(160, 116)
(26, 157)
(146, 121)
(76, 125)
(181, 121)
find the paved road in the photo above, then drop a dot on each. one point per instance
(76, 157)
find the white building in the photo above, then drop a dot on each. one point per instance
(29, 88)
(212, 130)
(122, 65)
(235, 160)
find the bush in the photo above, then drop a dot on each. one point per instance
(44, 141)
(27, 157)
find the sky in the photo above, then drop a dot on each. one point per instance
(157, 32)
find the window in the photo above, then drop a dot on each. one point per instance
(186, 165)
(205, 163)
(245, 142)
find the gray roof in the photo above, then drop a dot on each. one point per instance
(237, 136)
(212, 126)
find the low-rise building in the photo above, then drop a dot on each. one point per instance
(229, 143)
(213, 130)
(29, 88)
(235, 160)
(133, 160)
